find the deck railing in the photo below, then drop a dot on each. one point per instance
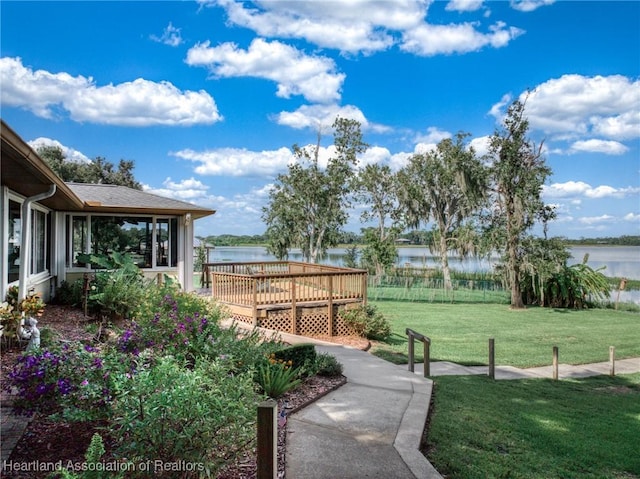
(270, 283)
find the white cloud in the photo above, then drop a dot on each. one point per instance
(237, 161)
(399, 160)
(240, 213)
(633, 217)
(580, 188)
(190, 190)
(593, 220)
(137, 103)
(362, 26)
(313, 77)
(430, 40)
(529, 5)
(480, 145)
(374, 155)
(359, 26)
(170, 36)
(599, 146)
(322, 117)
(69, 153)
(433, 136)
(576, 105)
(464, 5)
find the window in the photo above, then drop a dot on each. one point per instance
(151, 242)
(15, 238)
(38, 241)
(162, 242)
(40, 237)
(132, 235)
(76, 236)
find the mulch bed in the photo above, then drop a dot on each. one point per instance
(48, 441)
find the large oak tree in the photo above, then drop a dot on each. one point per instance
(445, 187)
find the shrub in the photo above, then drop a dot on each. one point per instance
(203, 416)
(298, 354)
(69, 293)
(328, 365)
(368, 322)
(118, 287)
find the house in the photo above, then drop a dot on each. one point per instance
(46, 223)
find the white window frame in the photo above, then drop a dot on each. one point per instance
(68, 222)
(40, 275)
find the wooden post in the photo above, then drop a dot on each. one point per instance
(555, 363)
(426, 359)
(364, 289)
(411, 353)
(267, 448)
(492, 358)
(330, 307)
(255, 301)
(294, 312)
(86, 286)
(612, 361)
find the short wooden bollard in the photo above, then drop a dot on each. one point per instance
(492, 358)
(555, 363)
(612, 361)
(267, 440)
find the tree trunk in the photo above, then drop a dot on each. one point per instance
(514, 278)
(444, 262)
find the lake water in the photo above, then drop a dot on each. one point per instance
(618, 261)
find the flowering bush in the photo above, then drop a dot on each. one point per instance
(77, 380)
(38, 381)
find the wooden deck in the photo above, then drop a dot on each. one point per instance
(298, 298)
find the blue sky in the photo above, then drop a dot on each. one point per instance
(207, 97)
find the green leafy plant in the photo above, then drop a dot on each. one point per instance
(203, 416)
(368, 322)
(277, 377)
(91, 469)
(117, 287)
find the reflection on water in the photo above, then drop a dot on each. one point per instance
(618, 261)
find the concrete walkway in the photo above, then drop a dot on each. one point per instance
(369, 428)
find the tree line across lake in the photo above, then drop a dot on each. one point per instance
(415, 237)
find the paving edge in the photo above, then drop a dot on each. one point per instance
(410, 431)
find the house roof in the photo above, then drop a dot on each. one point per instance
(102, 198)
(24, 172)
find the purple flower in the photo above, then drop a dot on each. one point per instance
(64, 386)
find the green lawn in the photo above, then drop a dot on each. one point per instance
(460, 333)
(537, 428)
